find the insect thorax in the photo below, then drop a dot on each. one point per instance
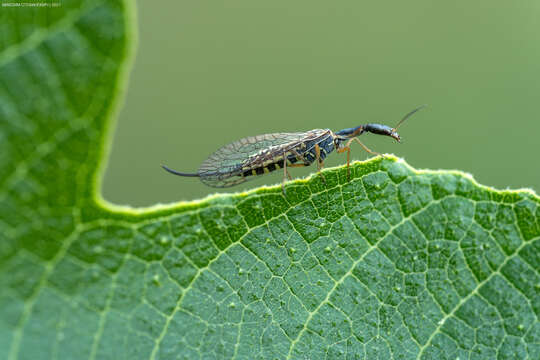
(325, 144)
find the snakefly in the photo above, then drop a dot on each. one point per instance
(250, 157)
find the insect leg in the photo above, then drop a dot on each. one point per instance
(348, 163)
(285, 174)
(319, 162)
(347, 148)
(305, 163)
(300, 156)
(366, 148)
(287, 171)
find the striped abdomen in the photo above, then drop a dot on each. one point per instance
(271, 165)
(303, 153)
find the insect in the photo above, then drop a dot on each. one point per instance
(253, 156)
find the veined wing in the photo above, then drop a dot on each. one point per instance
(224, 168)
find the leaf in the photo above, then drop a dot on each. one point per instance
(395, 263)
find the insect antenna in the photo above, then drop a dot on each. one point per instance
(179, 173)
(407, 116)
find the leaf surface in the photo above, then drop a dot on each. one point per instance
(395, 263)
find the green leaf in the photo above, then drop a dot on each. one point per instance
(395, 263)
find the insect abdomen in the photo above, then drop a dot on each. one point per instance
(270, 166)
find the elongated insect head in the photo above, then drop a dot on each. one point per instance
(382, 130)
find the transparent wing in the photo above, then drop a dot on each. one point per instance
(225, 166)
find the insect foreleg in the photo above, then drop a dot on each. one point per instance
(365, 147)
(347, 148)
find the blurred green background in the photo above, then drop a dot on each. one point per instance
(209, 73)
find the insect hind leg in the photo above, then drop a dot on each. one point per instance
(320, 162)
(285, 174)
